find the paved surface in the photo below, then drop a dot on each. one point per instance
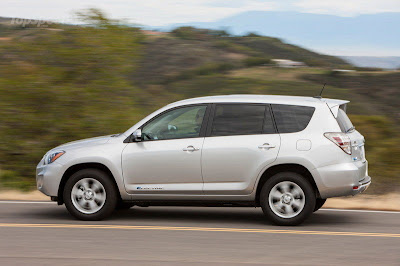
(45, 234)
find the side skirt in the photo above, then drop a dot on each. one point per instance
(193, 203)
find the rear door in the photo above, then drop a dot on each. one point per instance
(241, 141)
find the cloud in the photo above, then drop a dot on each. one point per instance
(150, 12)
(164, 12)
(347, 7)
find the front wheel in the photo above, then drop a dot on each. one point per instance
(90, 195)
(287, 198)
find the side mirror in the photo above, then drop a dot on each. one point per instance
(137, 135)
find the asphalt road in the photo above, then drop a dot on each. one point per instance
(45, 234)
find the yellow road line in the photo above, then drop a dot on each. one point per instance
(202, 229)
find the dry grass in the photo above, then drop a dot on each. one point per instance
(387, 202)
(18, 195)
(274, 73)
(235, 56)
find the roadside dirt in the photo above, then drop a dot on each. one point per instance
(19, 195)
(388, 202)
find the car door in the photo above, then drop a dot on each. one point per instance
(167, 160)
(241, 141)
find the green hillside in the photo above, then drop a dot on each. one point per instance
(61, 83)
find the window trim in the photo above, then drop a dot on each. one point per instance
(212, 116)
(273, 120)
(203, 124)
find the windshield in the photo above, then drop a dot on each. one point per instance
(344, 121)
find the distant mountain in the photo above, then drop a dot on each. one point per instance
(378, 33)
(389, 62)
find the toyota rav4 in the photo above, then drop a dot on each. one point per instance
(284, 154)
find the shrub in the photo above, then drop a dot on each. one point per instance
(256, 61)
(11, 180)
(187, 33)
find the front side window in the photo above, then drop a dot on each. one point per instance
(241, 119)
(179, 123)
(292, 118)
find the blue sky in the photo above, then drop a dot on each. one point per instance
(164, 12)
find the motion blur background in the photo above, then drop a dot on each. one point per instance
(66, 77)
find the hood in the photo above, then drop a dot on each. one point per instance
(83, 143)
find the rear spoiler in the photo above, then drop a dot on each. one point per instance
(334, 105)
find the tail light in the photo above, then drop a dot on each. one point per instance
(341, 140)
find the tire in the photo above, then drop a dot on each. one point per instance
(318, 204)
(287, 198)
(90, 195)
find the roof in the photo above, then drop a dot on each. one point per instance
(249, 98)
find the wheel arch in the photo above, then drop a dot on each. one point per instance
(77, 167)
(288, 167)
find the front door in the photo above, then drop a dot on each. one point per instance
(168, 159)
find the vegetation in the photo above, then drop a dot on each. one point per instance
(61, 83)
(380, 88)
(57, 86)
(256, 61)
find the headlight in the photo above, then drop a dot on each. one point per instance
(53, 156)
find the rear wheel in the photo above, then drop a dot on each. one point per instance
(318, 204)
(287, 198)
(90, 194)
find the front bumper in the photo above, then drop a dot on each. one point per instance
(48, 178)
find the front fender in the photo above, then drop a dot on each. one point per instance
(109, 156)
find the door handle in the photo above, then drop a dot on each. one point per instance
(190, 148)
(266, 146)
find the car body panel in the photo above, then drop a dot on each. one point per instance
(107, 153)
(231, 164)
(163, 167)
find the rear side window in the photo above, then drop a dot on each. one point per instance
(292, 118)
(241, 119)
(344, 121)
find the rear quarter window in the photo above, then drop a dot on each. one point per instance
(344, 121)
(292, 118)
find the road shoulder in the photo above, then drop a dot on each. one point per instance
(387, 202)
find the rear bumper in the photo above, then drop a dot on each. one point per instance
(343, 179)
(362, 185)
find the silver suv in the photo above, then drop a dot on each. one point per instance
(286, 154)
